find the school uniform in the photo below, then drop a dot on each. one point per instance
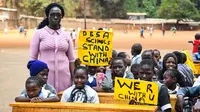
(136, 59)
(43, 94)
(85, 95)
(196, 56)
(187, 73)
(91, 81)
(175, 90)
(163, 98)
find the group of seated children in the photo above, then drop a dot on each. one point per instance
(171, 75)
(37, 89)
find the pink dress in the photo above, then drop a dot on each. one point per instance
(55, 48)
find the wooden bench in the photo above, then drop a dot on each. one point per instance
(79, 107)
(108, 98)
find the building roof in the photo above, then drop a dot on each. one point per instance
(136, 14)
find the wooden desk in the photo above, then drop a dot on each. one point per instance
(79, 107)
(108, 98)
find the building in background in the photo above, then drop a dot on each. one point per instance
(136, 16)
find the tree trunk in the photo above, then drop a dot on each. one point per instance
(177, 24)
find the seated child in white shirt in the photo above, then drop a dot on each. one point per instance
(35, 92)
(80, 92)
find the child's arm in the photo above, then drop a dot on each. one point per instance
(189, 91)
(51, 99)
(22, 99)
(191, 42)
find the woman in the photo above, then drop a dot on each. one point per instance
(54, 46)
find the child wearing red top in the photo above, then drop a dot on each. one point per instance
(195, 43)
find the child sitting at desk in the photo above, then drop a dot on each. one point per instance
(80, 92)
(35, 92)
(41, 70)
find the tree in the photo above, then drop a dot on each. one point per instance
(33, 7)
(131, 5)
(178, 9)
(108, 9)
(149, 6)
(70, 7)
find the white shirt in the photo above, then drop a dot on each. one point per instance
(197, 82)
(92, 96)
(73, 35)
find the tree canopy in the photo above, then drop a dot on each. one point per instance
(169, 9)
(178, 9)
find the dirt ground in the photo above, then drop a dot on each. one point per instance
(14, 55)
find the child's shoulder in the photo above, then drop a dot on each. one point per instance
(69, 89)
(90, 90)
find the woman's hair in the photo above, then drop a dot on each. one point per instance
(165, 59)
(47, 10)
(179, 77)
(35, 79)
(83, 68)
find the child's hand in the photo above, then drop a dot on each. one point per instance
(134, 102)
(36, 99)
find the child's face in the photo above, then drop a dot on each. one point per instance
(92, 70)
(170, 63)
(128, 60)
(146, 73)
(43, 75)
(118, 68)
(135, 74)
(80, 78)
(168, 80)
(101, 69)
(33, 90)
(157, 55)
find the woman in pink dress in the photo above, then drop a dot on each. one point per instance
(54, 46)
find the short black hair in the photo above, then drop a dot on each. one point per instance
(143, 56)
(135, 67)
(184, 58)
(137, 48)
(178, 56)
(178, 75)
(122, 54)
(35, 79)
(197, 36)
(114, 53)
(100, 29)
(155, 51)
(118, 58)
(148, 62)
(83, 68)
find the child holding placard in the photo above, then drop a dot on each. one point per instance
(118, 69)
(146, 71)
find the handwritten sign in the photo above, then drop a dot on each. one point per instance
(142, 91)
(95, 47)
